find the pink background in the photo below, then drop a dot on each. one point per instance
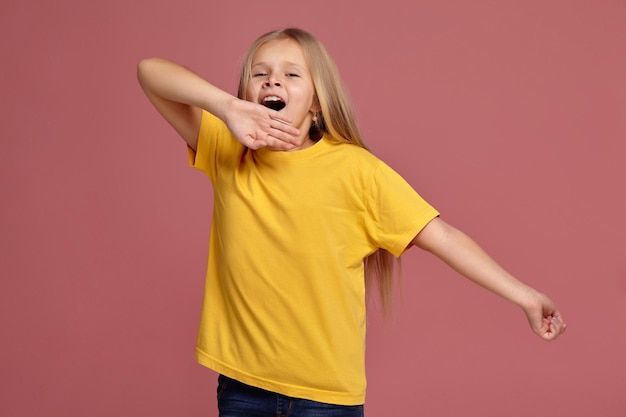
(508, 116)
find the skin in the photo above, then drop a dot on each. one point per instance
(465, 256)
(179, 95)
(279, 69)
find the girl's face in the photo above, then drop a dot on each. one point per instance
(281, 80)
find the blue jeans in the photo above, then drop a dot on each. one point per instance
(235, 399)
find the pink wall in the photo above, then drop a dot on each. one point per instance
(508, 116)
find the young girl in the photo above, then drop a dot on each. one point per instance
(303, 213)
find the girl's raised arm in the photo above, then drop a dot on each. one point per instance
(180, 95)
(464, 255)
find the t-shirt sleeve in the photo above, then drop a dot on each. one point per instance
(398, 213)
(214, 141)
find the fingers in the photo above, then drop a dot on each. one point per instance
(289, 135)
(275, 140)
(278, 136)
(552, 327)
(276, 132)
(282, 130)
(278, 116)
(257, 126)
(558, 325)
(276, 144)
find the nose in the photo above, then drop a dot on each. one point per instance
(273, 81)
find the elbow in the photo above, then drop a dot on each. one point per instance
(141, 70)
(145, 67)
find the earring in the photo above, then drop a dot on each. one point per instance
(315, 131)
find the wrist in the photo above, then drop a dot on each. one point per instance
(224, 106)
(530, 299)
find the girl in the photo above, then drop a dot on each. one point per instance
(303, 212)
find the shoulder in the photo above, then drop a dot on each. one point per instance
(352, 154)
(214, 135)
(216, 146)
(211, 125)
(363, 161)
(375, 173)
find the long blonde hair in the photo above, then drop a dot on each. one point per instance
(337, 121)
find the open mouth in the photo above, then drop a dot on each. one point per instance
(274, 103)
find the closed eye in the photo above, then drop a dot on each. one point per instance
(259, 74)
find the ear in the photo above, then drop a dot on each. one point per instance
(315, 107)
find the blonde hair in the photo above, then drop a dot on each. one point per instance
(337, 121)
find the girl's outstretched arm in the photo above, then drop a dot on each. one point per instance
(180, 95)
(464, 255)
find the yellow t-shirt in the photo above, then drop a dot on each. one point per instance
(284, 305)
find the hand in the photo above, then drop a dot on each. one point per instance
(544, 319)
(257, 126)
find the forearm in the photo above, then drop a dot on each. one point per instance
(166, 80)
(465, 256)
(179, 95)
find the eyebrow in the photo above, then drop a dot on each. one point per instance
(288, 64)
